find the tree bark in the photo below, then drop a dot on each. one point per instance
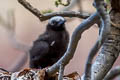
(111, 47)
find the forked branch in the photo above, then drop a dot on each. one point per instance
(46, 16)
(86, 24)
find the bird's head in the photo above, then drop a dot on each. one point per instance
(56, 23)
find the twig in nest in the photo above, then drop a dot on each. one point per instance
(4, 70)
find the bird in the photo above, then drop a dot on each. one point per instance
(50, 46)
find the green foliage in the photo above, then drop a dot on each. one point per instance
(108, 5)
(107, 1)
(46, 11)
(59, 2)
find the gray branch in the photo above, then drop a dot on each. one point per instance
(113, 73)
(91, 55)
(109, 52)
(86, 24)
(70, 14)
(105, 29)
(61, 72)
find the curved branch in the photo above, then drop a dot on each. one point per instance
(110, 49)
(113, 73)
(105, 30)
(73, 43)
(91, 55)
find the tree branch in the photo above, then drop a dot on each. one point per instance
(113, 73)
(34, 74)
(109, 51)
(91, 55)
(70, 14)
(26, 74)
(73, 43)
(46, 16)
(61, 72)
(105, 29)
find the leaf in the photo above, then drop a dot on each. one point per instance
(59, 2)
(46, 11)
(107, 1)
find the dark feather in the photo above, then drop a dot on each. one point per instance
(50, 46)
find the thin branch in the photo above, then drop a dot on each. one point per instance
(91, 55)
(105, 23)
(113, 73)
(46, 16)
(70, 14)
(29, 7)
(61, 72)
(26, 74)
(4, 70)
(33, 74)
(86, 24)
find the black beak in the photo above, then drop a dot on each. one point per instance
(61, 23)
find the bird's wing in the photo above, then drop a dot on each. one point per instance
(39, 50)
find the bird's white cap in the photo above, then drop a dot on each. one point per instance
(56, 18)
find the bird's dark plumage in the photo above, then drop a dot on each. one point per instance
(51, 45)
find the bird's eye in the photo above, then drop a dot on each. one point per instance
(54, 22)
